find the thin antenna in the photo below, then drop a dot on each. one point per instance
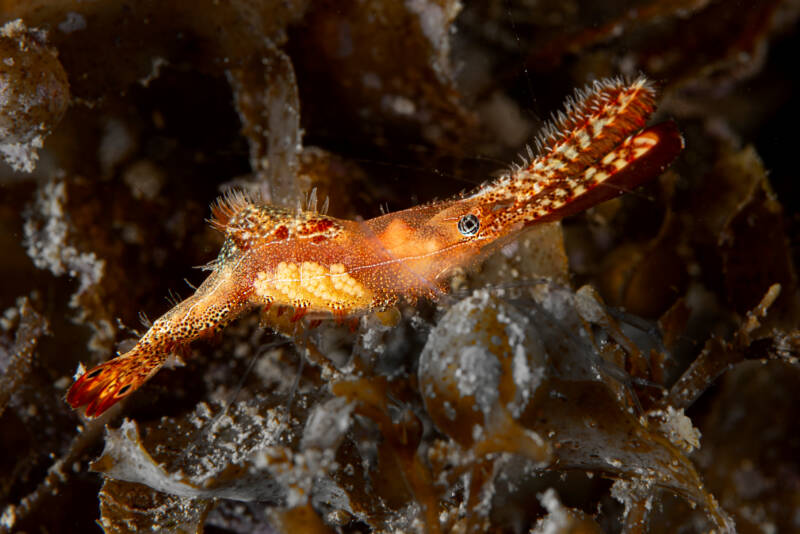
(211, 425)
(628, 191)
(436, 172)
(300, 367)
(519, 42)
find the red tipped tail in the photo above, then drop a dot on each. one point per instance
(104, 385)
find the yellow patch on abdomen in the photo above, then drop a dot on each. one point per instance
(313, 286)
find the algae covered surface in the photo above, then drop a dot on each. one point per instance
(631, 369)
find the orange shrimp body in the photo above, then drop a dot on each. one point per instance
(323, 266)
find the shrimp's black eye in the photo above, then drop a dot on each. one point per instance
(469, 225)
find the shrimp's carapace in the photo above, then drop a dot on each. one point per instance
(322, 266)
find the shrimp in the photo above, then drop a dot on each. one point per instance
(321, 266)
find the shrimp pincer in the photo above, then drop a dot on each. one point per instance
(326, 267)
